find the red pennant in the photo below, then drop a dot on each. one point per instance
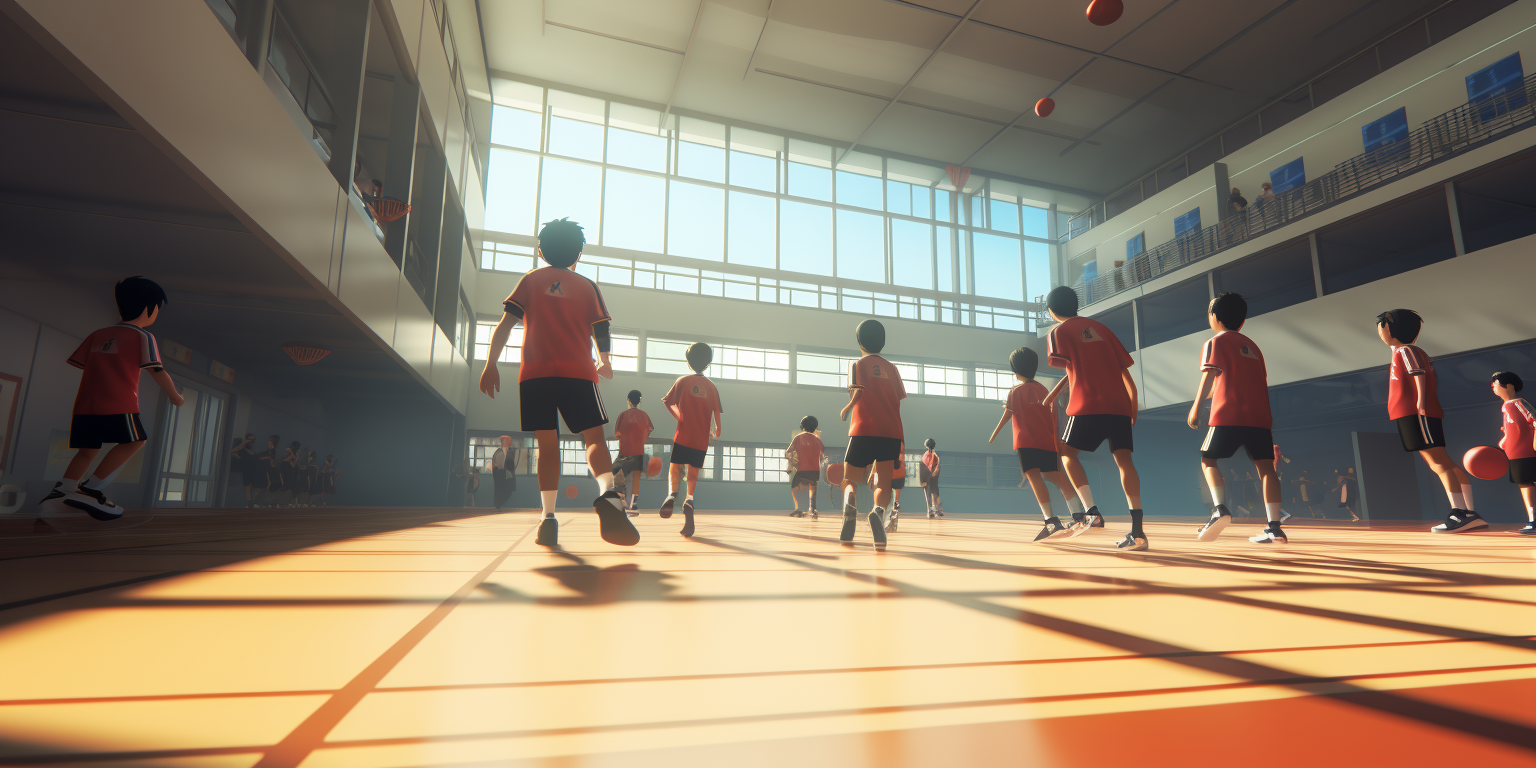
(958, 176)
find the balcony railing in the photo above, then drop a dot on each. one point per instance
(1452, 133)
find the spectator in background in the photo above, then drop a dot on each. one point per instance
(1236, 201)
(244, 469)
(287, 469)
(472, 484)
(328, 473)
(269, 465)
(1266, 194)
(1265, 205)
(1236, 229)
(461, 480)
(1349, 492)
(503, 473)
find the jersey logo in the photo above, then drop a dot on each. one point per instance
(698, 391)
(1247, 351)
(554, 289)
(878, 372)
(108, 347)
(1089, 334)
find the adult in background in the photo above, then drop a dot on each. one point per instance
(472, 484)
(243, 468)
(503, 473)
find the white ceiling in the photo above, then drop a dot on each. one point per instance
(1129, 97)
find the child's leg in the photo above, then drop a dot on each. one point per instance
(693, 480)
(1042, 493)
(1271, 482)
(674, 479)
(115, 458)
(1442, 465)
(78, 465)
(1214, 480)
(599, 459)
(883, 472)
(1528, 494)
(1129, 480)
(1466, 483)
(810, 494)
(548, 441)
(1059, 479)
(633, 481)
(1076, 474)
(851, 479)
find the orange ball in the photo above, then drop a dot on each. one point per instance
(1105, 12)
(1045, 107)
(570, 491)
(1485, 462)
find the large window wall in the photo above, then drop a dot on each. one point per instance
(873, 235)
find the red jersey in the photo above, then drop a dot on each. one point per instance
(693, 400)
(931, 461)
(1240, 394)
(808, 451)
(111, 359)
(1093, 359)
(559, 309)
(1034, 423)
(878, 411)
(1519, 430)
(1402, 400)
(632, 427)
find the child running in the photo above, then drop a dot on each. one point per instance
(898, 482)
(107, 403)
(928, 475)
(563, 315)
(1232, 374)
(1102, 407)
(807, 454)
(1034, 439)
(632, 428)
(694, 402)
(1414, 406)
(874, 435)
(1519, 442)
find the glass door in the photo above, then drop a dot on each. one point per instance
(190, 458)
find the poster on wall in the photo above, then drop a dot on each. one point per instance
(1189, 223)
(1288, 176)
(1135, 245)
(10, 396)
(1500, 85)
(1390, 132)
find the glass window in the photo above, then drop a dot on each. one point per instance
(941, 204)
(927, 379)
(810, 181)
(1174, 312)
(634, 211)
(754, 171)
(733, 463)
(515, 127)
(575, 138)
(700, 161)
(696, 221)
(751, 230)
(637, 150)
(769, 465)
(511, 353)
(511, 192)
(946, 260)
(921, 205)
(976, 214)
(1272, 280)
(858, 189)
(898, 197)
(1386, 242)
(822, 370)
(997, 267)
(505, 257)
(1036, 222)
(1498, 203)
(993, 384)
(573, 458)
(1037, 269)
(624, 353)
(1121, 321)
(911, 254)
(861, 246)
(805, 238)
(1005, 216)
(731, 361)
(574, 191)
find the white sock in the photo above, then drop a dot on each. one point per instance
(1045, 509)
(1218, 495)
(1466, 493)
(70, 486)
(1074, 505)
(1086, 494)
(689, 497)
(1272, 511)
(604, 483)
(547, 498)
(1457, 502)
(1530, 514)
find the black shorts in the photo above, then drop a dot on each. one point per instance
(1088, 431)
(863, 449)
(898, 482)
(1038, 458)
(805, 477)
(933, 485)
(1522, 471)
(1420, 433)
(693, 457)
(575, 400)
(1223, 442)
(634, 463)
(92, 430)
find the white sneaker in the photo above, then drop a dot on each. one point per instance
(1267, 536)
(1459, 521)
(1214, 526)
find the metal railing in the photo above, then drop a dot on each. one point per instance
(1446, 135)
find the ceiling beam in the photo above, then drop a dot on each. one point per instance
(661, 125)
(613, 37)
(931, 56)
(752, 62)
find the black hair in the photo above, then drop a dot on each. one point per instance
(1230, 309)
(135, 295)
(699, 355)
(634, 397)
(809, 424)
(1024, 362)
(1062, 300)
(560, 241)
(1509, 379)
(1403, 324)
(930, 444)
(871, 336)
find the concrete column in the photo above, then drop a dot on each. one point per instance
(450, 263)
(400, 159)
(254, 28)
(1223, 188)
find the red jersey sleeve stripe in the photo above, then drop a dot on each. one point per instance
(853, 377)
(1412, 360)
(1525, 410)
(602, 306)
(1208, 355)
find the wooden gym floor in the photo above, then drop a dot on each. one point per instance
(412, 637)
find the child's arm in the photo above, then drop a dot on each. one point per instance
(719, 425)
(164, 380)
(490, 378)
(857, 393)
(1206, 380)
(1050, 397)
(1007, 416)
(1130, 389)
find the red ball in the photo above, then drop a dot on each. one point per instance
(653, 468)
(1045, 107)
(1105, 12)
(570, 491)
(835, 474)
(1485, 462)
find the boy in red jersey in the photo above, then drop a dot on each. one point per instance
(107, 403)
(1034, 438)
(632, 428)
(1414, 406)
(562, 313)
(875, 434)
(928, 474)
(1233, 375)
(1519, 442)
(807, 454)
(1102, 406)
(695, 403)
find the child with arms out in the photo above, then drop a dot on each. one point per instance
(1034, 439)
